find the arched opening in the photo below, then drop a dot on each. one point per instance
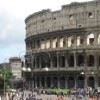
(45, 60)
(28, 61)
(80, 41)
(62, 82)
(42, 82)
(90, 60)
(71, 61)
(90, 39)
(80, 60)
(33, 61)
(98, 81)
(62, 61)
(55, 82)
(71, 82)
(48, 82)
(54, 59)
(80, 82)
(43, 65)
(91, 82)
(37, 62)
(38, 82)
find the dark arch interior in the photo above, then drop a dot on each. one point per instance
(91, 82)
(80, 82)
(71, 82)
(90, 60)
(80, 60)
(71, 61)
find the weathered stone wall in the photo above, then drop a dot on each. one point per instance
(74, 15)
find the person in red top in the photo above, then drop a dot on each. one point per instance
(61, 98)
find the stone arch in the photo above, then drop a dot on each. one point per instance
(91, 81)
(38, 81)
(90, 60)
(55, 82)
(80, 60)
(45, 60)
(62, 82)
(90, 39)
(71, 60)
(62, 61)
(48, 81)
(71, 82)
(54, 59)
(80, 82)
(43, 82)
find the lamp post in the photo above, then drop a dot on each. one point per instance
(46, 69)
(82, 73)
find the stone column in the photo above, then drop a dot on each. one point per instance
(32, 58)
(75, 85)
(51, 61)
(58, 82)
(95, 60)
(35, 81)
(51, 81)
(95, 39)
(40, 62)
(57, 60)
(75, 65)
(96, 81)
(66, 60)
(50, 43)
(40, 82)
(66, 82)
(45, 80)
(85, 82)
(35, 62)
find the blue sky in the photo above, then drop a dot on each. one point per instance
(12, 26)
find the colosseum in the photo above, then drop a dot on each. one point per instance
(63, 46)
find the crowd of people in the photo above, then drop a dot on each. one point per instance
(73, 94)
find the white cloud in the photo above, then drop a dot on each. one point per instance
(22, 8)
(4, 32)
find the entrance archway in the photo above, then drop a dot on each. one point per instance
(71, 61)
(91, 81)
(71, 82)
(90, 60)
(42, 82)
(80, 82)
(55, 82)
(48, 82)
(62, 82)
(98, 81)
(80, 60)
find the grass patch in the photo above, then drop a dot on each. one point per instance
(58, 91)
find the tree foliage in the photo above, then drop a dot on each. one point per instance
(5, 76)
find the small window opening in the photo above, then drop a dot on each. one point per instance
(90, 15)
(91, 41)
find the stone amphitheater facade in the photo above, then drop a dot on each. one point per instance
(63, 47)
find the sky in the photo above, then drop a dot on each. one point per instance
(12, 25)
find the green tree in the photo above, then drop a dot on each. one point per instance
(5, 76)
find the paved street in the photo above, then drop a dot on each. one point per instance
(26, 94)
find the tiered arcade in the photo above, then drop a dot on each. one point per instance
(67, 42)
